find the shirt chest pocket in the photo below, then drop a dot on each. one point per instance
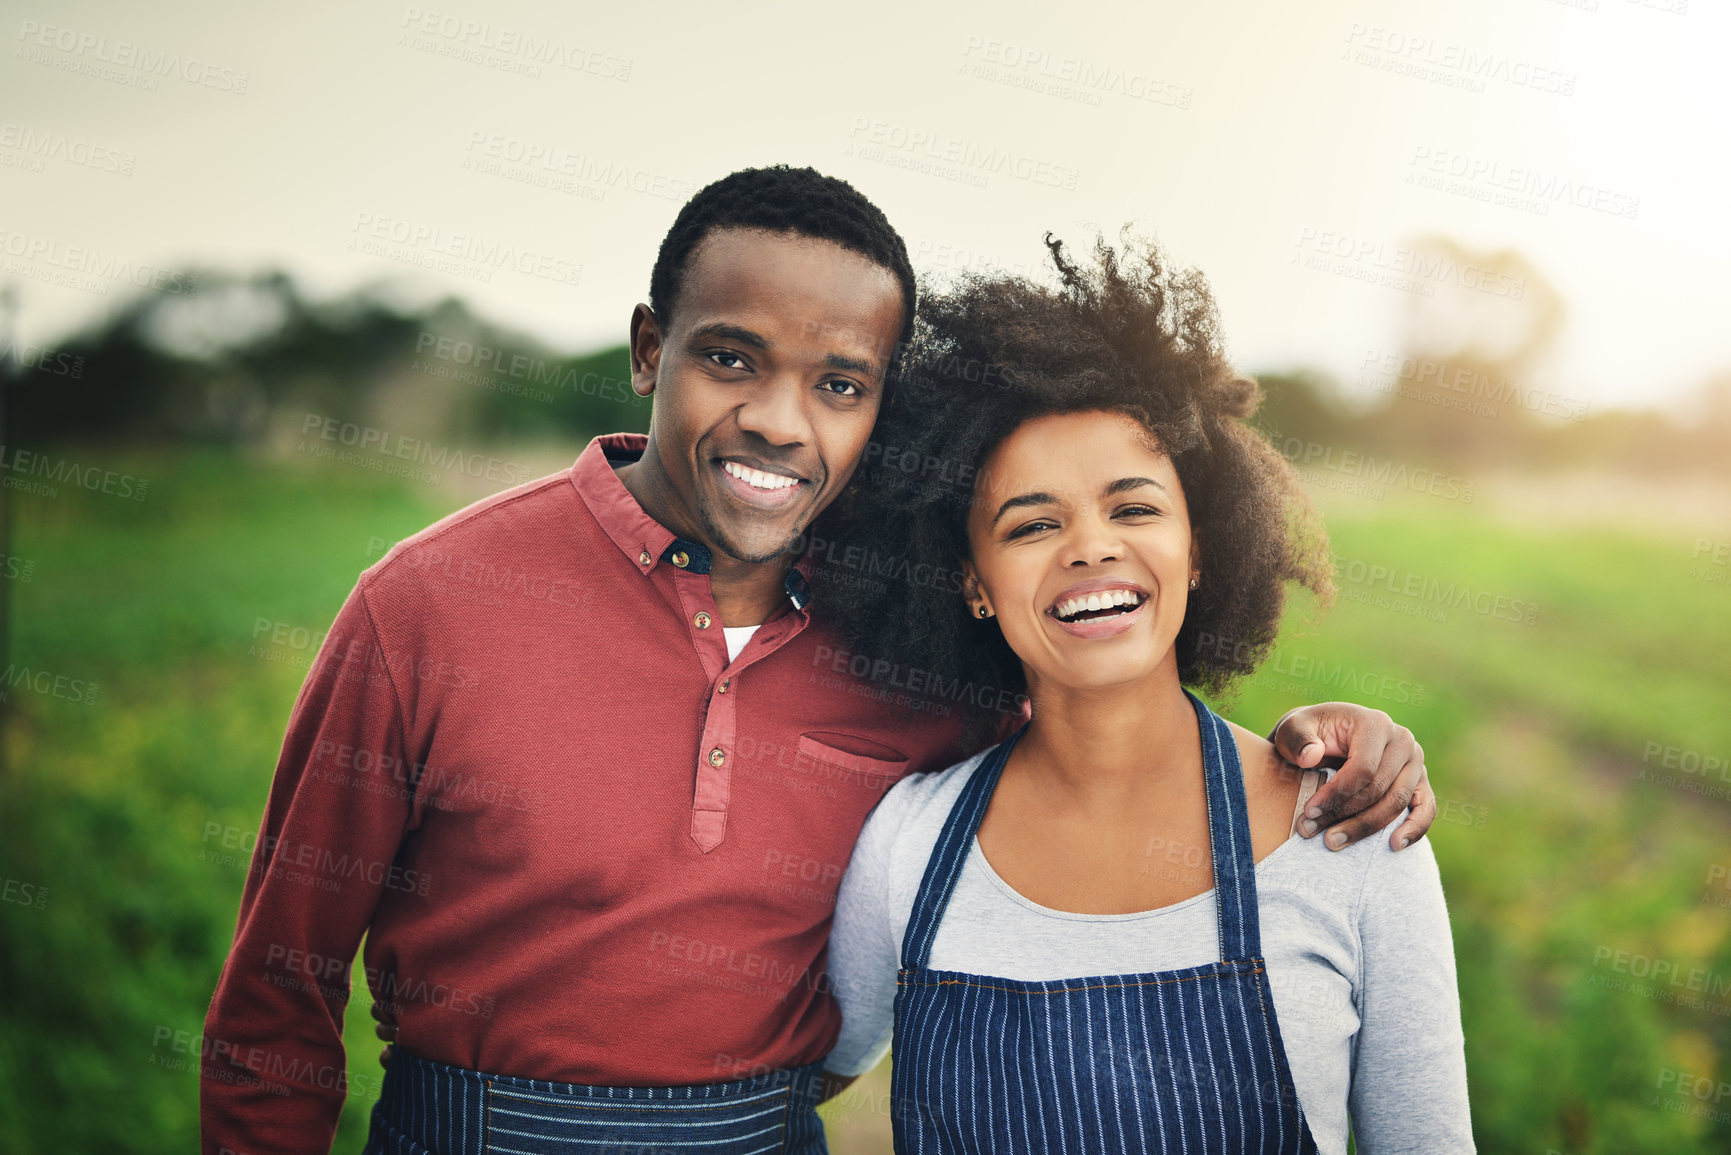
(851, 760)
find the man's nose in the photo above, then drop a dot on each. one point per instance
(776, 413)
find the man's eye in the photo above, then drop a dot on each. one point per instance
(722, 357)
(842, 388)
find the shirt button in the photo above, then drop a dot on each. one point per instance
(716, 757)
(722, 689)
(681, 558)
(644, 558)
(701, 620)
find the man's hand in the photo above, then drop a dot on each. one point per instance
(386, 1030)
(1381, 773)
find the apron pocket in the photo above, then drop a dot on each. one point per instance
(532, 1123)
(385, 1139)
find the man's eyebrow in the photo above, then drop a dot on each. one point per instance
(851, 365)
(1025, 499)
(1126, 484)
(728, 332)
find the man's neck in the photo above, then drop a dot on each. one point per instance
(745, 592)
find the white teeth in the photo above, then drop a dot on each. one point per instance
(757, 479)
(1111, 599)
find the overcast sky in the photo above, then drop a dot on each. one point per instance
(529, 156)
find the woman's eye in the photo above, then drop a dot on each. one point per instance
(842, 388)
(1031, 527)
(1138, 511)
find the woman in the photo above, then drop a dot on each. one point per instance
(1103, 934)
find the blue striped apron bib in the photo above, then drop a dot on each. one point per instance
(1178, 1061)
(429, 1108)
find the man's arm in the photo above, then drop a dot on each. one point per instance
(273, 1072)
(1383, 773)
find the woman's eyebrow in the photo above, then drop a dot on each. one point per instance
(1024, 500)
(1122, 485)
(1126, 484)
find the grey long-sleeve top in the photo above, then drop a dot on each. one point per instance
(1360, 962)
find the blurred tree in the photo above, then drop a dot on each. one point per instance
(245, 356)
(1464, 386)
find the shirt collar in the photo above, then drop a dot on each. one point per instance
(642, 539)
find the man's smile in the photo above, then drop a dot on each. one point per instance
(757, 485)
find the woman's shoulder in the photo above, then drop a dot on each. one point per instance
(1263, 768)
(1370, 870)
(914, 809)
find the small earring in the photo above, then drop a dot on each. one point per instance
(1192, 581)
(983, 612)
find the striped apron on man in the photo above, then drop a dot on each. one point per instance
(1176, 1061)
(429, 1108)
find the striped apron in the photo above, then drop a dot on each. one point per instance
(428, 1108)
(1177, 1061)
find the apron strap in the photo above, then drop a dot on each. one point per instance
(1228, 843)
(945, 864)
(1229, 838)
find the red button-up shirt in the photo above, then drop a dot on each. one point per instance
(583, 846)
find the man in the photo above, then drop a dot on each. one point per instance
(583, 769)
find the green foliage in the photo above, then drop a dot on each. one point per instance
(1559, 846)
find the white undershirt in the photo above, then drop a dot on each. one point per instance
(737, 636)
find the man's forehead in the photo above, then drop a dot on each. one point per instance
(806, 281)
(736, 244)
(784, 312)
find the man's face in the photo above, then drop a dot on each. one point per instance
(768, 383)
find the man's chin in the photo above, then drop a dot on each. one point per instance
(752, 554)
(755, 548)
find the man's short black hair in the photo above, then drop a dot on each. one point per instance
(783, 200)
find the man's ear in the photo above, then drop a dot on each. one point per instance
(645, 350)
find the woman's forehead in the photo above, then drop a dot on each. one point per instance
(1076, 453)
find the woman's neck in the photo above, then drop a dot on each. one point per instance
(1103, 746)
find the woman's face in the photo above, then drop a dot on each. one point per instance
(1082, 549)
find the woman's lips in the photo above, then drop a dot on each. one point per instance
(1109, 626)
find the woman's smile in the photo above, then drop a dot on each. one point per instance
(1100, 608)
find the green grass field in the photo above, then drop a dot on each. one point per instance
(1587, 886)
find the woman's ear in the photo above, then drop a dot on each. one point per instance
(979, 605)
